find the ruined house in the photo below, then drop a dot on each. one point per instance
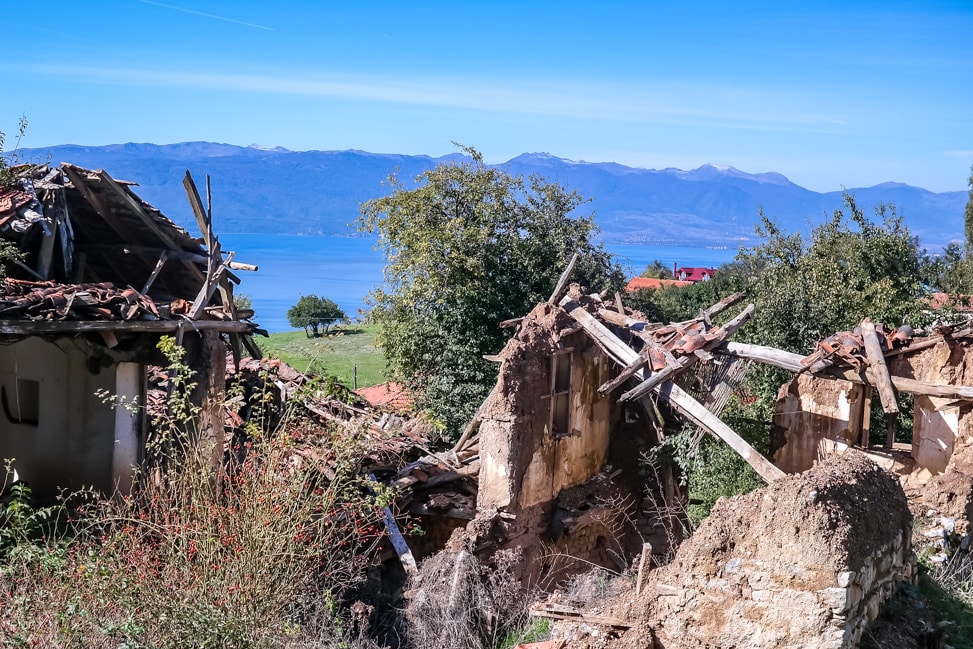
(828, 406)
(560, 449)
(97, 277)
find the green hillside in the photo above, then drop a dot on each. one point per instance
(338, 353)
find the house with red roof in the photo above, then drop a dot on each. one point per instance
(689, 274)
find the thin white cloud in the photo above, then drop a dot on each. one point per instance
(206, 15)
(670, 105)
(959, 153)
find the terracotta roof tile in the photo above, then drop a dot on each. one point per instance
(638, 283)
(389, 395)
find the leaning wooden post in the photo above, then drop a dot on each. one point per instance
(645, 565)
(563, 280)
(880, 371)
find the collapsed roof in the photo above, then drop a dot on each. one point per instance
(88, 249)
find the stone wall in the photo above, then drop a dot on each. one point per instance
(807, 561)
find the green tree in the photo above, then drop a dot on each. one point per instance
(850, 268)
(657, 270)
(467, 247)
(804, 289)
(313, 311)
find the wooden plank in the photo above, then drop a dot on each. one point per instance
(126, 195)
(195, 203)
(692, 409)
(512, 322)
(209, 287)
(645, 565)
(655, 380)
(699, 415)
(682, 363)
(615, 348)
(155, 272)
(628, 372)
(621, 320)
(563, 280)
(251, 346)
(562, 612)
(398, 541)
(720, 307)
(618, 303)
(879, 370)
(81, 184)
(204, 219)
(792, 362)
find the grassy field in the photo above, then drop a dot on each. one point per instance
(337, 353)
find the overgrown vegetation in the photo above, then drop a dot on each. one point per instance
(468, 247)
(804, 289)
(259, 557)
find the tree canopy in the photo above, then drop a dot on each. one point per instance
(804, 289)
(312, 312)
(467, 247)
(657, 270)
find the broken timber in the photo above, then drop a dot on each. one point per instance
(562, 612)
(873, 349)
(692, 409)
(792, 362)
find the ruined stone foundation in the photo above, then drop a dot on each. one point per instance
(805, 562)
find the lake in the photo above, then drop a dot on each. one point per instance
(345, 269)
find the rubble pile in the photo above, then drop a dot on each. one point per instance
(49, 300)
(807, 561)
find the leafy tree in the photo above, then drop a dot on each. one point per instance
(466, 248)
(313, 311)
(657, 270)
(851, 267)
(804, 289)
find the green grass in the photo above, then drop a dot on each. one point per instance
(953, 605)
(337, 353)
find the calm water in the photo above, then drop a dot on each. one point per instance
(345, 269)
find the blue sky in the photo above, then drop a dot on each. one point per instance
(830, 94)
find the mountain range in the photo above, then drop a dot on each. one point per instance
(278, 191)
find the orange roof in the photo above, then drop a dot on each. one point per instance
(639, 283)
(389, 395)
(938, 301)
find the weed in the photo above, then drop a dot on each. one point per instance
(189, 560)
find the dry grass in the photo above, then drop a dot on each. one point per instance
(258, 558)
(458, 603)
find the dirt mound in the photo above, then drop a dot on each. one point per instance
(814, 520)
(805, 562)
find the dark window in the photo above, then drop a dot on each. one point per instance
(561, 394)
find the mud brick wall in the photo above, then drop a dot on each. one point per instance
(807, 561)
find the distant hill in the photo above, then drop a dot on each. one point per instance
(278, 191)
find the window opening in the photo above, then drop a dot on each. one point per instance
(561, 394)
